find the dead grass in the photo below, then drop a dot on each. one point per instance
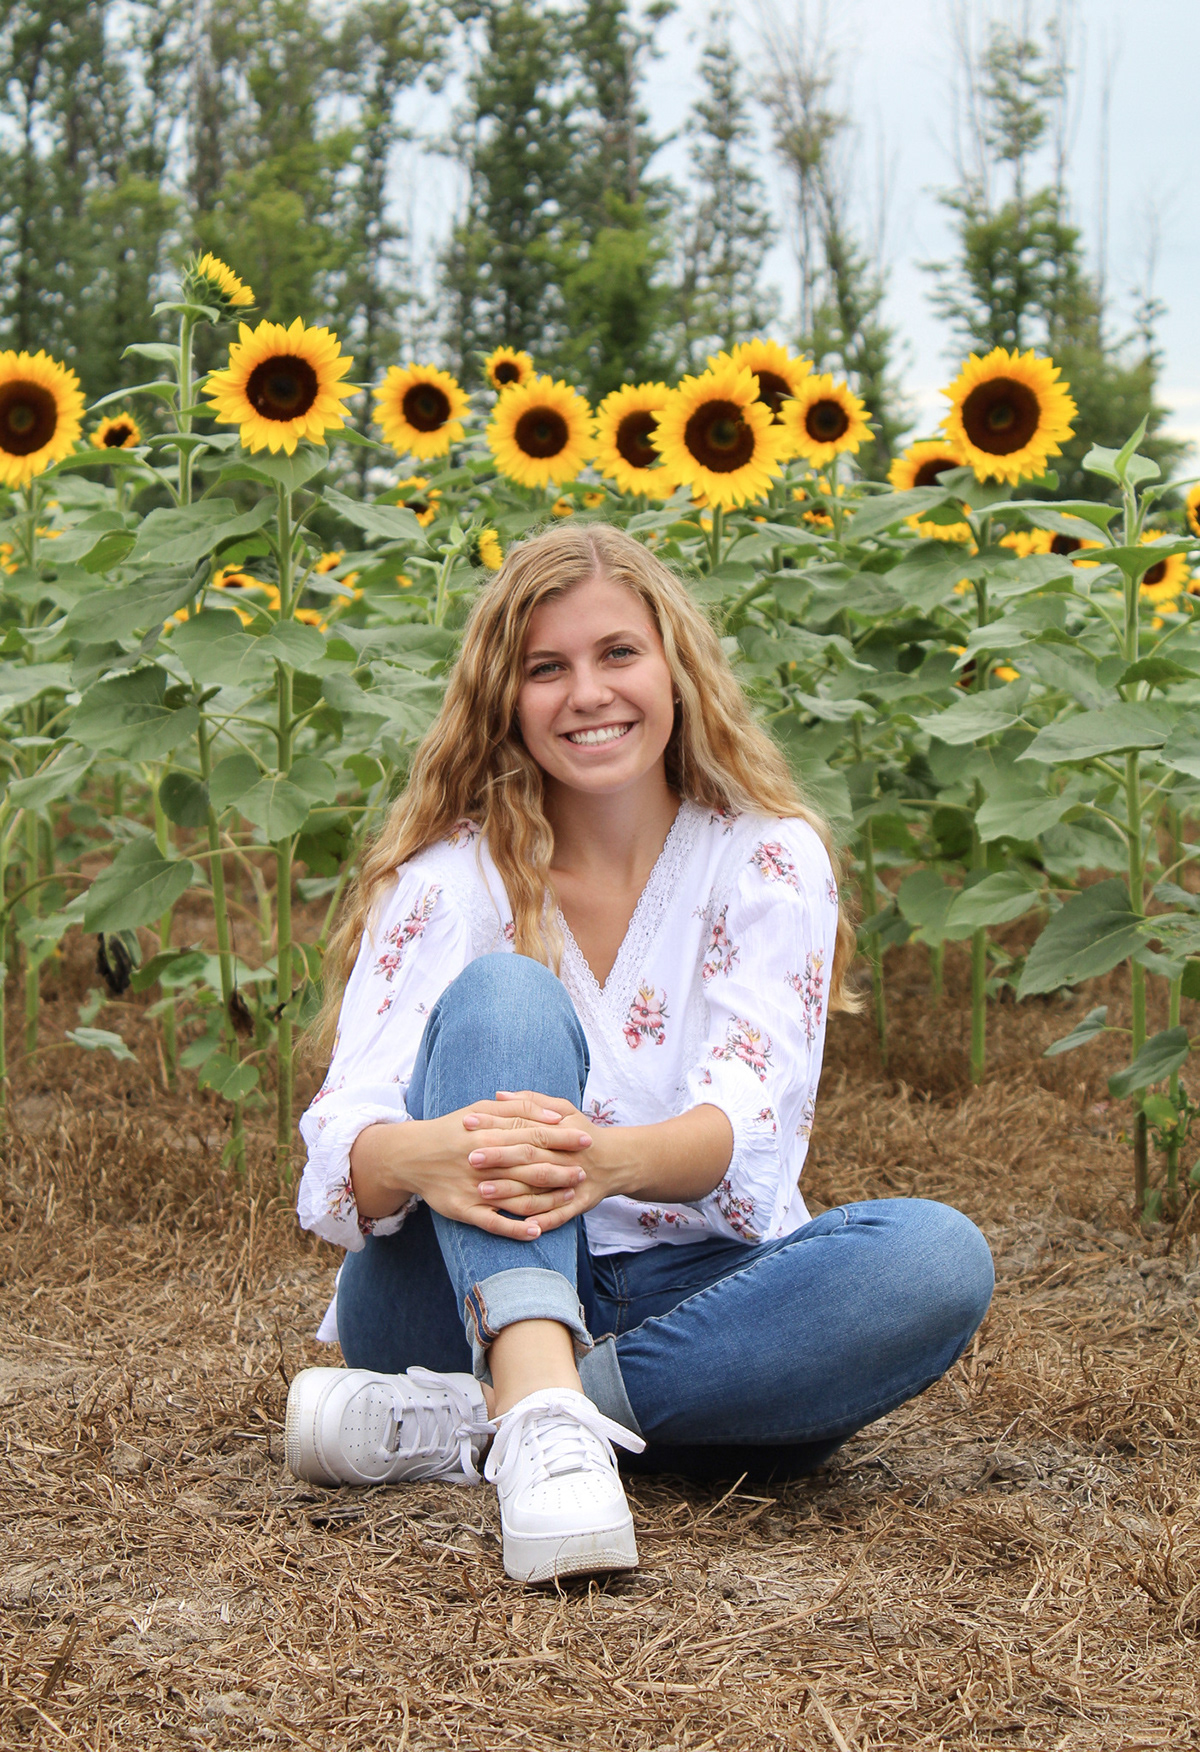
(1011, 1561)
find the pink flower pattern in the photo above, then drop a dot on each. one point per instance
(396, 941)
(328, 1088)
(647, 1018)
(766, 1116)
(810, 987)
(719, 953)
(650, 1220)
(831, 892)
(737, 1212)
(744, 1041)
(726, 817)
(774, 864)
(807, 1117)
(463, 832)
(341, 1205)
(601, 1112)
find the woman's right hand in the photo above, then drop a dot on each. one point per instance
(431, 1157)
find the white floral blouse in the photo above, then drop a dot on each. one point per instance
(718, 995)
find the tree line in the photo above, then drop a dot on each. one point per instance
(273, 132)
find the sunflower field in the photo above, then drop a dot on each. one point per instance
(220, 651)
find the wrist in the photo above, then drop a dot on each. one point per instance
(383, 1173)
(613, 1160)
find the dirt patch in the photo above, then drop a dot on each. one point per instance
(1012, 1560)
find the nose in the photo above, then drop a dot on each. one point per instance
(591, 690)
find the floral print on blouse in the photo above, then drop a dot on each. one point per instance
(718, 996)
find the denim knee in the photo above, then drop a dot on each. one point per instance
(959, 1265)
(494, 984)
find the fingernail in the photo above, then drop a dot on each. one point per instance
(549, 1113)
(487, 1190)
(585, 1143)
(581, 1175)
(501, 1093)
(568, 1194)
(533, 1232)
(471, 1120)
(476, 1157)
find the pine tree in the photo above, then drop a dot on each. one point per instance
(727, 230)
(1020, 279)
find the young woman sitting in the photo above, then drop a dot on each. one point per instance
(587, 966)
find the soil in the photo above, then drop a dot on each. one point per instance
(1012, 1560)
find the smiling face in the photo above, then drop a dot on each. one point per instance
(596, 704)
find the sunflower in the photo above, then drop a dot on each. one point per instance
(1166, 580)
(485, 550)
(625, 450)
(119, 432)
(233, 578)
(1009, 414)
(540, 431)
(209, 280)
(328, 561)
(922, 463)
(40, 415)
(413, 496)
(824, 419)
(281, 385)
(780, 373)
(1006, 672)
(419, 410)
(592, 501)
(563, 507)
(1193, 509)
(714, 434)
(7, 563)
(311, 617)
(1024, 542)
(508, 369)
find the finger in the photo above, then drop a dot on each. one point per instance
(524, 1229)
(555, 1103)
(537, 1177)
(517, 1155)
(556, 1218)
(513, 1111)
(519, 1201)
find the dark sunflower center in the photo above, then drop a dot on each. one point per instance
(927, 474)
(826, 422)
(541, 432)
(719, 438)
(426, 407)
(1001, 416)
(417, 505)
(1156, 574)
(116, 436)
(633, 440)
(28, 418)
(773, 389)
(282, 388)
(1065, 544)
(506, 372)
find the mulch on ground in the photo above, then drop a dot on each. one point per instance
(1011, 1561)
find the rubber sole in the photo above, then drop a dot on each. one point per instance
(305, 1399)
(544, 1559)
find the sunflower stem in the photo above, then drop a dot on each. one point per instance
(283, 857)
(835, 503)
(183, 414)
(870, 903)
(443, 582)
(715, 536)
(162, 835)
(216, 868)
(978, 961)
(1133, 829)
(3, 983)
(30, 823)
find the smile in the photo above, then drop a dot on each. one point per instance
(596, 738)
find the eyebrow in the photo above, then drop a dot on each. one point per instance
(608, 639)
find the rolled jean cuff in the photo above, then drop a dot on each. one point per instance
(604, 1384)
(526, 1293)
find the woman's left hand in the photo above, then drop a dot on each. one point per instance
(501, 1185)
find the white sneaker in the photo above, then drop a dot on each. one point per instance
(350, 1426)
(562, 1506)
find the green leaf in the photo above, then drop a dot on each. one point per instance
(1090, 935)
(388, 522)
(289, 472)
(128, 715)
(21, 683)
(1160, 1056)
(294, 643)
(115, 614)
(231, 1080)
(1190, 988)
(61, 778)
(924, 900)
(170, 968)
(315, 777)
(277, 806)
(136, 889)
(975, 716)
(231, 778)
(160, 351)
(182, 537)
(214, 647)
(1181, 750)
(1157, 671)
(887, 509)
(1065, 517)
(1092, 1025)
(101, 1040)
(1025, 811)
(994, 901)
(184, 799)
(1111, 730)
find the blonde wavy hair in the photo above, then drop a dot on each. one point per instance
(472, 763)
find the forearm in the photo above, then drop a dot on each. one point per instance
(682, 1159)
(381, 1162)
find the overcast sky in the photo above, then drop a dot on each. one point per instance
(897, 67)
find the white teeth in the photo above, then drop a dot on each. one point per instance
(591, 738)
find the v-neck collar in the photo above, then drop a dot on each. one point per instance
(644, 922)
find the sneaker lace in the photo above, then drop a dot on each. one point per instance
(427, 1427)
(564, 1431)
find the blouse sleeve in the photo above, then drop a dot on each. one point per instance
(419, 942)
(766, 979)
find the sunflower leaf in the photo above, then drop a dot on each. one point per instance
(387, 522)
(182, 537)
(890, 508)
(1111, 730)
(137, 888)
(1160, 1056)
(1087, 937)
(162, 389)
(130, 715)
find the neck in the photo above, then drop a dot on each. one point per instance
(620, 835)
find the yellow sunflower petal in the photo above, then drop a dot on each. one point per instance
(212, 281)
(625, 447)
(41, 415)
(1166, 580)
(715, 435)
(281, 385)
(1193, 509)
(506, 368)
(419, 410)
(541, 433)
(118, 432)
(1009, 414)
(824, 419)
(780, 374)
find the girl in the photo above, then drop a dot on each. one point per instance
(590, 960)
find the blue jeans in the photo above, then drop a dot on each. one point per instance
(726, 1358)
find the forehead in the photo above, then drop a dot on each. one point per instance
(586, 612)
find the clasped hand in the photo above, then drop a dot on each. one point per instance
(522, 1170)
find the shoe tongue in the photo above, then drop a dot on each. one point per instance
(565, 1444)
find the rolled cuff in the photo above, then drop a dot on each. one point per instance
(526, 1293)
(325, 1202)
(600, 1372)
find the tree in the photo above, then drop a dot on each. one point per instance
(1020, 279)
(727, 229)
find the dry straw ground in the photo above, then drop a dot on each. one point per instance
(1012, 1561)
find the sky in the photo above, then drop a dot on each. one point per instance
(896, 62)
